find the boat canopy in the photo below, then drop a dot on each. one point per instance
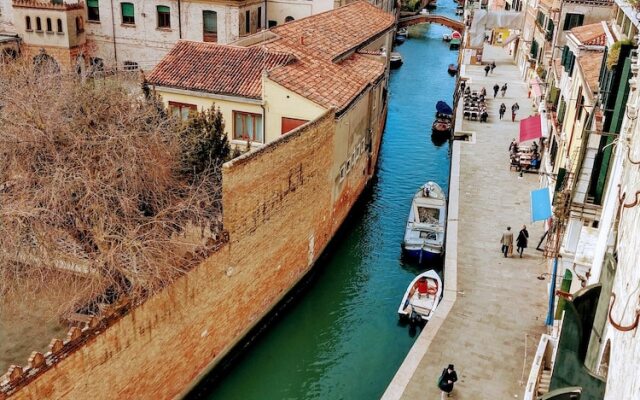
(443, 108)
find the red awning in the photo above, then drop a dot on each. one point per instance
(530, 128)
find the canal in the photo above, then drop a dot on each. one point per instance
(341, 339)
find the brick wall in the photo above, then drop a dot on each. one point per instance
(279, 215)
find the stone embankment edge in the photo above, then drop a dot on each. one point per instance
(410, 364)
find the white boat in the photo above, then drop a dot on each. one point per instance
(425, 231)
(422, 297)
(402, 32)
(395, 60)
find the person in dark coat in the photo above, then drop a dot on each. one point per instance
(503, 109)
(496, 87)
(446, 381)
(493, 66)
(522, 239)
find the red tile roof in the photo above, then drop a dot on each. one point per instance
(333, 33)
(590, 62)
(590, 35)
(214, 68)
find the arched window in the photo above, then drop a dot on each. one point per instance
(38, 24)
(289, 19)
(49, 25)
(27, 22)
(79, 25)
(59, 25)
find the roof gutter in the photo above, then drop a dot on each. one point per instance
(208, 95)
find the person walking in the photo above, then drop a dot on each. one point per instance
(496, 87)
(446, 381)
(514, 108)
(493, 66)
(507, 241)
(504, 89)
(521, 241)
(463, 84)
(486, 69)
(502, 110)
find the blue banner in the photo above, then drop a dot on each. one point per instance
(540, 205)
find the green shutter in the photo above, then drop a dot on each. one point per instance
(127, 10)
(92, 3)
(561, 110)
(163, 9)
(565, 53)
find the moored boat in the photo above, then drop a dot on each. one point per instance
(454, 44)
(446, 37)
(395, 60)
(402, 32)
(425, 230)
(400, 39)
(422, 297)
(452, 69)
(442, 124)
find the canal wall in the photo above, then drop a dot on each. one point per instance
(280, 211)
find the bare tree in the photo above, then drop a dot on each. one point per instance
(93, 182)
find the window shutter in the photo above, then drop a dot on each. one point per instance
(163, 9)
(210, 21)
(127, 10)
(571, 64)
(565, 52)
(92, 3)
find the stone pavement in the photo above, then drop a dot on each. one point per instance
(500, 305)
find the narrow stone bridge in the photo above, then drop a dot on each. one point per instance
(431, 18)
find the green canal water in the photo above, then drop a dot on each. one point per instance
(340, 339)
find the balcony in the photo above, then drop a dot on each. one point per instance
(540, 374)
(48, 5)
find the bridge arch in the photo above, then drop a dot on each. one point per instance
(431, 18)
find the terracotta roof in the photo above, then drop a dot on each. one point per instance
(590, 35)
(332, 33)
(215, 68)
(590, 62)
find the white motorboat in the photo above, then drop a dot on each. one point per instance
(395, 60)
(422, 297)
(425, 231)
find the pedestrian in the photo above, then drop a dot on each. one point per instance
(504, 89)
(446, 381)
(496, 87)
(513, 147)
(503, 109)
(462, 85)
(521, 241)
(486, 69)
(493, 66)
(507, 242)
(514, 108)
(483, 92)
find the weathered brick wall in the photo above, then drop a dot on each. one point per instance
(279, 215)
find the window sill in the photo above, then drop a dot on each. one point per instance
(128, 25)
(49, 32)
(168, 29)
(59, 33)
(28, 30)
(240, 142)
(39, 31)
(92, 21)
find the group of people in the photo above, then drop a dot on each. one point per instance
(514, 109)
(489, 67)
(521, 241)
(497, 88)
(474, 103)
(524, 158)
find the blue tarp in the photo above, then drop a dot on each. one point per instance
(443, 108)
(540, 205)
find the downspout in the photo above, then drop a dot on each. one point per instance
(179, 21)
(113, 34)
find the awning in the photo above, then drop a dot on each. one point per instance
(510, 39)
(530, 128)
(540, 204)
(535, 87)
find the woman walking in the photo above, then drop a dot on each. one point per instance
(504, 89)
(446, 381)
(521, 240)
(502, 110)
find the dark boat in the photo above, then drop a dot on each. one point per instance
(400, 39)
(395, 60)
(454, 44)
(443, 122)
(452, 69)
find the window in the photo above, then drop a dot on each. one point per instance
(247, 21)
(259, 17)
(49, 25)
(289, 19)
(59, 25)
(93, 10)
(130, 66)
(550, 27)
(79, 25)
(247, 126)
(289, 124)
(182, 111)
(572, 20)
(210, 26)
(534, 49)
(128, 17)
(272, 23)
(38, 24)
(540, 19)
(27, 22)
(164, 17)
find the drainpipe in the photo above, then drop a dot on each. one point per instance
(264, 124)
(552, 293)
(179, 21)
(113, 33)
